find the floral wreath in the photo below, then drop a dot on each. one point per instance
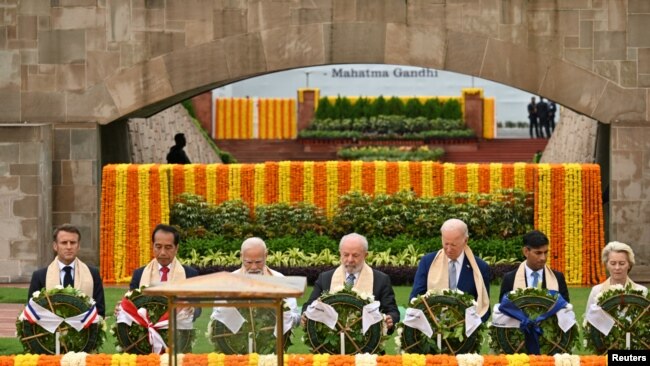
(445, 312)
(534, 302)
(260, 323)
(629, 309)
(134, 338)
(63, 303)
(349, 304)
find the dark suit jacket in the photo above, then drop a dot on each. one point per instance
(38, 283)
(465, 280)
(137, 275)
(509, 280)
(381, 289)
(189, 272)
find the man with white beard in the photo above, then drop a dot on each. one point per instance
(253, 258)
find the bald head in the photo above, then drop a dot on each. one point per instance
(253, 255)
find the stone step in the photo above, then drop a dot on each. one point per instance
(498, 150)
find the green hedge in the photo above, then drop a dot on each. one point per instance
(395, 222)
(388, 124)
(372, 153)
(364, 108)
(401, 250)
(500, 215)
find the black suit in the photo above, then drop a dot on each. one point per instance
(189, 272)
(38, 283)
(381, 289)
(509, 280)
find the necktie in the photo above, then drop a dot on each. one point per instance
(535, 279)
(350, 280)
(67, 277)
(164, 270)
(452, 275)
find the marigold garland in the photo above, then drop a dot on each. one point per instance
(234, 183)
(355, 176)
(392, 177)
(344, 178)
(308, 186)
(219, 359)
(415, 177)
(449, 178)
(380, 177)
(137, 197)
(472, 178)
(119, 241)
(143, 227)
(284, 181)
(332, 194)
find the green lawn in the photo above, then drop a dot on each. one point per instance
(18, 295)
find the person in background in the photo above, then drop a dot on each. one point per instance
(532, 119)
(455, 267)
(68, 270)
(542, 116)
(534, 272)
(176, 153)
(354, 272)
(618, 258)
(552, 110)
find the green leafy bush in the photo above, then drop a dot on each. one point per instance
(390, 222)
(371, 153)
(364, 108)
(501, 215)
(282, 219)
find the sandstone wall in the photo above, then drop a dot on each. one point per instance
(573, 141)
(152, 137)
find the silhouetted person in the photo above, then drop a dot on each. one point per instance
(176, 153)
(552, 109)
(542, 115)
(532, 118)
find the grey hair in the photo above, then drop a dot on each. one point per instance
(617, 246)
(360, 238)
(252, 243)
(455, 224)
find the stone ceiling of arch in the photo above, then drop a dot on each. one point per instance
(89, 60)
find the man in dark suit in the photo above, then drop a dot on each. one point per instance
(68, 270)
(454, 267)
(165, 266)
(542, 116)
(534, 272)
(354, 271)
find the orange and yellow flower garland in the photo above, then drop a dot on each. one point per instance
(135, 198)
(219, 359)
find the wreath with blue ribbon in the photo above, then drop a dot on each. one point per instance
(65, 303)
(538, 332)
(630, 310)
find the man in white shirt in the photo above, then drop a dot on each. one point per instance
(68, 270)
(253, 254)
(354, 272)
(534, 272)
